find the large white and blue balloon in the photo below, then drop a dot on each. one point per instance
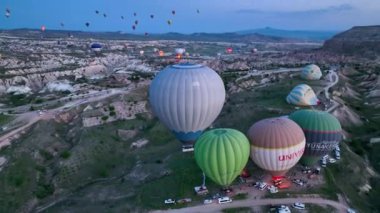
(187, 98)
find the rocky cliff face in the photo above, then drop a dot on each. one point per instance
(358, 41)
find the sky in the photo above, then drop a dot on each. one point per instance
(213, 16)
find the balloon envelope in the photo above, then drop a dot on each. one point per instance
(180, 51)
(302, 95)
(187, 98)
(311, 72)
(222, 154)
(277, 144)
(96, 47)
(322, 131)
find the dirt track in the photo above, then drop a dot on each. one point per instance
(260, 202)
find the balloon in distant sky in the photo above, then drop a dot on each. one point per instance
(173, 12)
(87, 24)
(151, 16)
(229, 50)
(97, 11)
(104, 15)
(133, 27)
(198, 11)
(122, 17)
(323, 133)
(170, 22)
(7, 13)
(43, 28)
(187, 98)
(62, 24)
(146, 34)
(222, 154)
(136, 22)
(141, 52)
(277, 144)
(134, 14)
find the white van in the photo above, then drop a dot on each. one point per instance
(298, 205)
(222, 200)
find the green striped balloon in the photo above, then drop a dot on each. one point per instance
(222, 154)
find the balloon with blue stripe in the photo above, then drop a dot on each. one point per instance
(187, 98)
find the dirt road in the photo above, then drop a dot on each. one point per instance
(260, 202)
(31, 118)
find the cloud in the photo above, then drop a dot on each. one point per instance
(331, 9)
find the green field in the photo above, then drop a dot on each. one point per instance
(4, 119)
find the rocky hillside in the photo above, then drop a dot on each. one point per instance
(358, 41)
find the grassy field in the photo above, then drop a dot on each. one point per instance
(4, 119)
(93, 169)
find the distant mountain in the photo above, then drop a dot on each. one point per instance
(359, 41)
(218, 37)
(295, 34)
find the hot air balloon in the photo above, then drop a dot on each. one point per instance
(302, 95)
(133, 27)
(141, 52)
(7, 13)
(43, 28)
(170, 22)
(97, 11)
(198, 11)
(179, 52)
(187, 98)
(322, 130)
(62, 24)
(96, 47)
(122, 17)
(87, 24)
(277, 144)
(161, 53)
(134, 14)
(104, 15)
(229, 50)
(146, 34)
(136, 22)
(151, 16)
(173, 12)
(222, 154)
(311, 72)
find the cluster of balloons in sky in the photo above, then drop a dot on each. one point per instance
(97, 12)
(187, 98)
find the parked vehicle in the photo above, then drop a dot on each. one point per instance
(283, 209)
(185, 200)
(273, 189)
(224, 200)
(262, 185)
(208, 201)
(169, 201)
(298, 205)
